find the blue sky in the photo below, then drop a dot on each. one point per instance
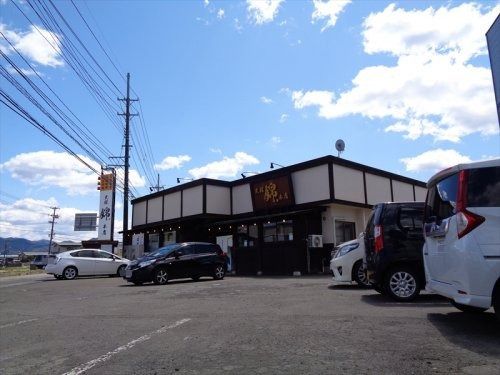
(227, 87)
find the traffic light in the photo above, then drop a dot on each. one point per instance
(99, 183)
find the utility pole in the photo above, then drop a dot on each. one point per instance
(127, 115)
(157, 187)
(54, 216)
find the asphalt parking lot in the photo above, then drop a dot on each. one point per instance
(234, 326)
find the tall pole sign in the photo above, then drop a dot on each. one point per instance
(106, 184)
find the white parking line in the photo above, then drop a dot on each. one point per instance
(17, 323)
(105, 357)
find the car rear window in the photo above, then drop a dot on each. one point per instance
(411, 218)
(483, 189)
(442, 198)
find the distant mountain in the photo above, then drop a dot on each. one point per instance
(20, 245)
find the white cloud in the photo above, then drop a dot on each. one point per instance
(40, 46)
(434, 160)
(215, 150)
(221, 13)
(28, 218)
(206, 3)
(283, 118)
(26, 72)
(227, 167)
(433, 89)
(266, 100)
(59, 169)
(275, 141)
(262, 11)
(237, 25)
(328, 10)
(171, 162)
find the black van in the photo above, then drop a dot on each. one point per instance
(393, 248)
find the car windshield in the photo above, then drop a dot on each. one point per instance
(164, 250)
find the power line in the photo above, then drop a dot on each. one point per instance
(92, 138)
(16, 108)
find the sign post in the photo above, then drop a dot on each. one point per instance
(106, 184)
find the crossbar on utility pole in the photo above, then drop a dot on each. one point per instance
(126, 163)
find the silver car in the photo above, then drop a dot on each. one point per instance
(86, 262)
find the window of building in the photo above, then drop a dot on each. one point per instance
(280, 231)
(154, 241)
(248, 235)
(344, 231)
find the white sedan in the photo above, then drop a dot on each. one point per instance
(347, 263)
(85, 262)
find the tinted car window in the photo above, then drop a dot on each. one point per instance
(204, 249)
(102, 254)
(164, 250)
(85, 254)
(442, 198)
(483, 189)
(410, 218)
(185, 250)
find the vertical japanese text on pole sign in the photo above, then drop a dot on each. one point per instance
(106, 207)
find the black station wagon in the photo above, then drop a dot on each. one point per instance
(177, 261)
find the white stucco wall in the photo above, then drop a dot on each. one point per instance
(420, 193)
(192, 201)
(348, 184)
(242, 199)
(155, 207)
(139, 213)
(218, 200)
(311, 184)
(403, 192)
(172, 205)
(343, 213)
(378, 189)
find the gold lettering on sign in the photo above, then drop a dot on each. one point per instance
(271, 194)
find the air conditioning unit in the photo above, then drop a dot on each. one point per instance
(315, 240)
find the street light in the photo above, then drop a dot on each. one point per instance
(184, 179)
(244, 173)
(273, 164)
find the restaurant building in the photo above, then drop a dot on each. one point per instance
(282, 222)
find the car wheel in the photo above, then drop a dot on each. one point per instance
(56, 277)
(359, 274)
(160, 276)
(121, 271)
(468, 309)
(219, 272)
(402, 284)
(195, 278)
(70, 273)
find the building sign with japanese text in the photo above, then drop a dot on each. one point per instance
(106, 207)
(272, 193)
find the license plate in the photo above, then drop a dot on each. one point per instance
(128, 273)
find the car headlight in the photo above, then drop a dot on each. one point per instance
(146, 263)
(346, 249)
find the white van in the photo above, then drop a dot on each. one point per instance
(462, 235)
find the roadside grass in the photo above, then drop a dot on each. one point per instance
(18, 271)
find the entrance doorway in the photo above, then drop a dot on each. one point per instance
(226, 244)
